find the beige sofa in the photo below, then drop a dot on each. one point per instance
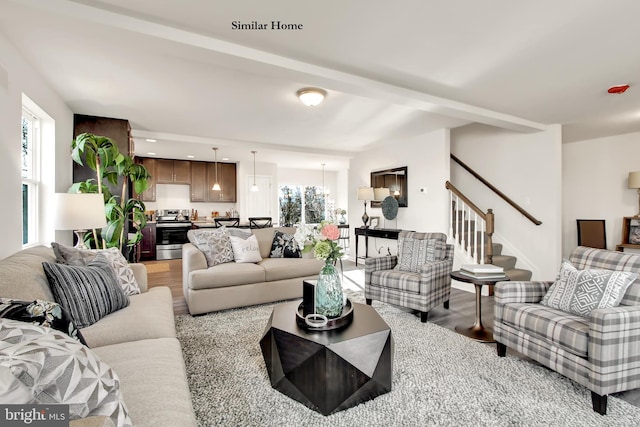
(234, 284)
(139, 342)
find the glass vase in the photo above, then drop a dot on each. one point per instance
(329, 299)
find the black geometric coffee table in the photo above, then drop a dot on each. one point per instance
(331, 370)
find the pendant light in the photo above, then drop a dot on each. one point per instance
(324, 189)
(216, 185)
(254, 187)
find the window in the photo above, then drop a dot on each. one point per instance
(301, 205)
(30, 177)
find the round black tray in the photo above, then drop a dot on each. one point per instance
(338, 322)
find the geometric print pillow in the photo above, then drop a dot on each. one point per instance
(214, 244)
(581, 291)
(124, 273)
(79, 257)
(43, 366)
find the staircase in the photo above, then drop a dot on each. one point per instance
(473, 244)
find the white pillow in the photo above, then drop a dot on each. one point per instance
(246, 250)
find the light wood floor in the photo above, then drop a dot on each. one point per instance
(461, 307)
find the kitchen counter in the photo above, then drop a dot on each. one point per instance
(212, 224)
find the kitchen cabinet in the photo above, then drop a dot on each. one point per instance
(118, 130)
(226, 179)
(149, 195)
(199, 191)
(148, 243)
(173, 171)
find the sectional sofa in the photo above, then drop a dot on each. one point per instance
(138, 342)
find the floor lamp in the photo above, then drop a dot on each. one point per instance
(365, 193)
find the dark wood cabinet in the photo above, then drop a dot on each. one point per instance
(630, 232)
(173, 171)
(148, 243)
(226, 179)
(199, 182)
(149, 195)
(118, 130)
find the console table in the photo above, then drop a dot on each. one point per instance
(383, 233)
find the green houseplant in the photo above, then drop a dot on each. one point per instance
(102, 155)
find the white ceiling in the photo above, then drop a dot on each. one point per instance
(393, 70)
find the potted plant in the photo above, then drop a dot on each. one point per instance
(102, 155)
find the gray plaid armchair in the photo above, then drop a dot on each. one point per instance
(424, 280)
(601, 352)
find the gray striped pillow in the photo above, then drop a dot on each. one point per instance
(88, 293)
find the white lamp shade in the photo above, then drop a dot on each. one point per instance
(634, 180)
(365, 193)
(79, 211)
(380, 193)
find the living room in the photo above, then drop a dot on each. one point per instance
(545, 133)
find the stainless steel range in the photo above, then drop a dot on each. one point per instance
(172, 226)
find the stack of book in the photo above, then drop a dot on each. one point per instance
(482, 271)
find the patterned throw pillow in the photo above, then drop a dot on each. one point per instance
(43, 366)
(246, 250)
(215, 244)
(44, 313)
(89, 293)
(413, 253)
(284, 246)
(73, 256)
(581, 291)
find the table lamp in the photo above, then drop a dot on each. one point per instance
(79, 212)
(365, 193)
(634, 182)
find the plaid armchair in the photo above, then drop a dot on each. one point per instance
(601, 352)
(422, 289)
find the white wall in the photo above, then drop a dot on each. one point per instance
(595, 185)
(527, 168)
(18, 77)
(427, 161)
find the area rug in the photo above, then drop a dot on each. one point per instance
(440, 378)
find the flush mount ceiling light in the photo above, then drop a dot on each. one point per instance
(619, 89)
(311, 96)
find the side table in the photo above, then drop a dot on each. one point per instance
(477, 332)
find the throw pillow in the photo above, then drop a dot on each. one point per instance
(284, 245)
(246, 250)
(581, 291)
(413, 253)
(43, 366)
(44, 313)
(89, 293)
(215, 244)
(73, 256)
